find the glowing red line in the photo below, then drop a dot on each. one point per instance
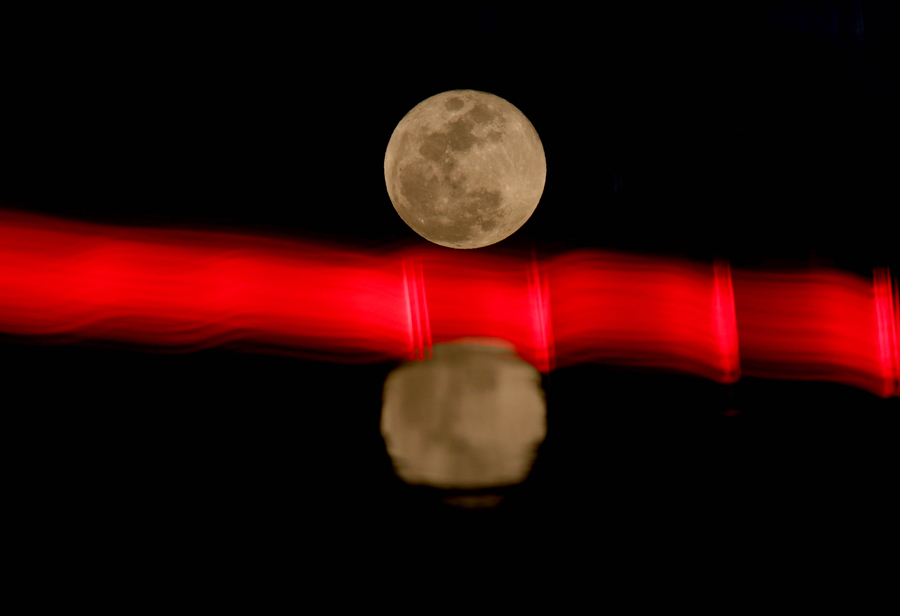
(417, 308)
(726, 322)
(188, 290)
(888, 310)
(425, 321)
(540, 306)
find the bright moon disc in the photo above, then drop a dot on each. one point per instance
(465, 169)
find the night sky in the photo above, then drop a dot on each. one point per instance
(756, 134)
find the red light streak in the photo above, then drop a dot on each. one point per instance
(819, 325)
(185, 290)
(887, 307)
(417, 310)
(540, 307)
(726, 321)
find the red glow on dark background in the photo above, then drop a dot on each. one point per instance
(186, 290)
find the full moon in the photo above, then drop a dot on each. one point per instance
(465, 169)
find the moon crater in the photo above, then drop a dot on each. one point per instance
(465, 169)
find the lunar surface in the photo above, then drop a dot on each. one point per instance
(465, 169)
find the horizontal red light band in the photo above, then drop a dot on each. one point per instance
(193, 289)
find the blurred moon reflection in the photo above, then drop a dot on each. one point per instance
(469, 418)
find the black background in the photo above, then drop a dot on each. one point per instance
(762, 132)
